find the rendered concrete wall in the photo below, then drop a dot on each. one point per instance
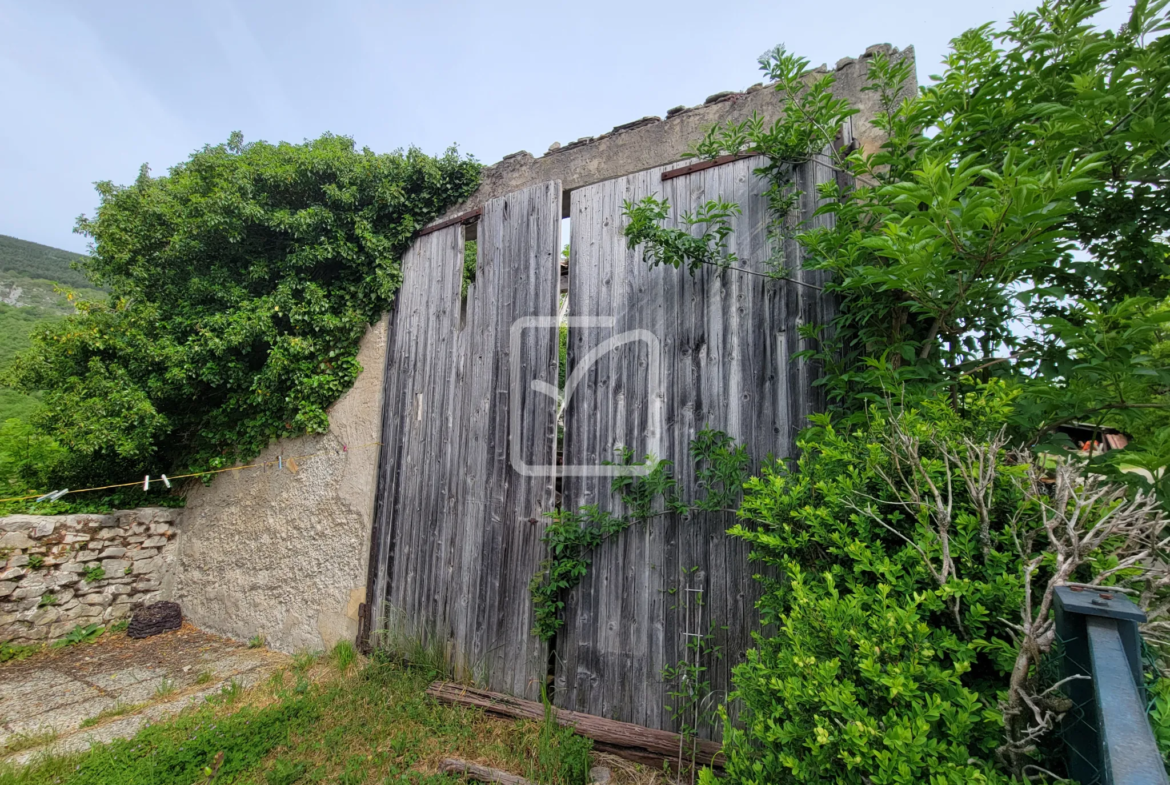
(283, 554)
(652, 141)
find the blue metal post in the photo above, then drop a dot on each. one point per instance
(1112, 743)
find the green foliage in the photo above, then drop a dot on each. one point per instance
(240, 285)
(13, 651)
(36, 561)
(562, 757)
(691, 697)
(720, 469)
(858, 687)
(96, 503)
(47, 600)
(470, 249)
(82, 633)
(26, 454)
(344, 655)
(94, 573)
(893, 579)
(678, 247)
(256, 641)
(1158, 691)
(1013, 223)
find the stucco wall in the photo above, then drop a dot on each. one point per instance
(283, 554)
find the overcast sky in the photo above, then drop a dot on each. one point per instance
(91, 90)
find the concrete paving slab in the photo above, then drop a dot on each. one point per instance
(59, 689)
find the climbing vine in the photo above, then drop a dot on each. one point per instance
(721, 468)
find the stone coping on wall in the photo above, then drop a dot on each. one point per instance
(653, 141)
(58, 572)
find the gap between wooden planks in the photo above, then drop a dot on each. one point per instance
(630, 741)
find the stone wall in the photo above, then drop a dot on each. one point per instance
(282, 553)
(51, 583)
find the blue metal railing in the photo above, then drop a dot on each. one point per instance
(1107, 736)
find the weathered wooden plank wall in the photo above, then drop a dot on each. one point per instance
(726, 339)
(454, 545)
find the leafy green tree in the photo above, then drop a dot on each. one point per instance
(240, 285)
(1019, 196)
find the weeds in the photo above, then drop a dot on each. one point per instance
(120, 626)
(117, 710)
(204, 677)
(165, 688)
(423, 651)
(257, 641)
(10, 652)
(230, 693)
(304, 660)
(19, 742)
(562, 757)
(82, 633)
(94, 573)
(344, 655)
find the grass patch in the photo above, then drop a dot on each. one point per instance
(367, 724)
(117, 710)
(18, 742)
(165, 688)
(204, 677)
(344, 655)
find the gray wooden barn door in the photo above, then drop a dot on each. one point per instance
(724, 342)
(457, 531)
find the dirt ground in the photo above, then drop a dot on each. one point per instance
(115, 686)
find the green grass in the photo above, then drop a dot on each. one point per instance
(117, 710)
(19, 742)
(367, 725)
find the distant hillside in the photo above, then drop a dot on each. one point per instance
(30, 273)
(30, 276)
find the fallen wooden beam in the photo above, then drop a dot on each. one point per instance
(630, 741)
(474, 771)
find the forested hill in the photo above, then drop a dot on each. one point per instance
(30, 273)
(32, 277)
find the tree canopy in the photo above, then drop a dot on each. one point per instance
(240, 284)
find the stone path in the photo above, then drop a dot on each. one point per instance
(55, 691)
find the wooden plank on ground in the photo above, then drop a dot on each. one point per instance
(622, 738)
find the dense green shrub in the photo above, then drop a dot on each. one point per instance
(240, 285)
(909, 565)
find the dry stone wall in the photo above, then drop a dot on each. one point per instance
(61, 571)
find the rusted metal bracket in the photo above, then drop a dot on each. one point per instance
(463, 218)
(723, 159)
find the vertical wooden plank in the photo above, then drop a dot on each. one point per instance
(456, 540)
(726, 338)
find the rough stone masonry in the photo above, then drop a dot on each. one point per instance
(64, 571)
